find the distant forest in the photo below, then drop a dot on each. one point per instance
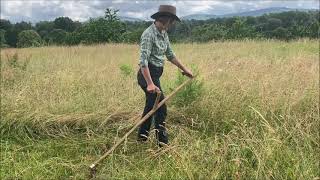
(109, 29)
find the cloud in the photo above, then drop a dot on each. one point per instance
(82, 10)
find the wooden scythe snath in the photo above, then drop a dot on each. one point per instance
(156, 106)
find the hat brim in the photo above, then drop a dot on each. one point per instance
(155, 15)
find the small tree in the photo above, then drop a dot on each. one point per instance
(116, 27)
(101, 30)
(111, 15)
(28, 38)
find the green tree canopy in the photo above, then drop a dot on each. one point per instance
(3, 42)
(5, 24)
(28, 38)
(57, 36)
(107, 29)
(64, 23)
(44, 28)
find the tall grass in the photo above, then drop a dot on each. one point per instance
(255, 115)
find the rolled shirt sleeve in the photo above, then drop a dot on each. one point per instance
(169, 52)
(145, 49)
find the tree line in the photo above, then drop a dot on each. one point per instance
(109, 29)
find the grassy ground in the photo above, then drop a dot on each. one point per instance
(252, 113)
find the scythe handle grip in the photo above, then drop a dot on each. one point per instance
(157, 100)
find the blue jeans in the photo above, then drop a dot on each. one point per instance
(161, 114)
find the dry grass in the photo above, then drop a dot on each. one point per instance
(257, 117)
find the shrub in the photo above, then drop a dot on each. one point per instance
(28, 38)
(126, 70)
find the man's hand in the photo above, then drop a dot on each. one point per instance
(151, 88)
(188, 73)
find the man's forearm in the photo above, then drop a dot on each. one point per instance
(176, 62)
(146, 74)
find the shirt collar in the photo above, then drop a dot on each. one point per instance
(156, 30)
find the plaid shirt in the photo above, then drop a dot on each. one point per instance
(153, 46)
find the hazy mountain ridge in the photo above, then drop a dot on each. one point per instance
(241, 14)
(126, 18)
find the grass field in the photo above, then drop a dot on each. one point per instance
(252, 112)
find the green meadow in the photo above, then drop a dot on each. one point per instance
(251, 113)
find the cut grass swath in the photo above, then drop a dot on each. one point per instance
(156, 106)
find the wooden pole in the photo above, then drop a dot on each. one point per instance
(149, 114)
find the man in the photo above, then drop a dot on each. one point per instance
(153, 47)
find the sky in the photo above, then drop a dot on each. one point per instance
(82, 10)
